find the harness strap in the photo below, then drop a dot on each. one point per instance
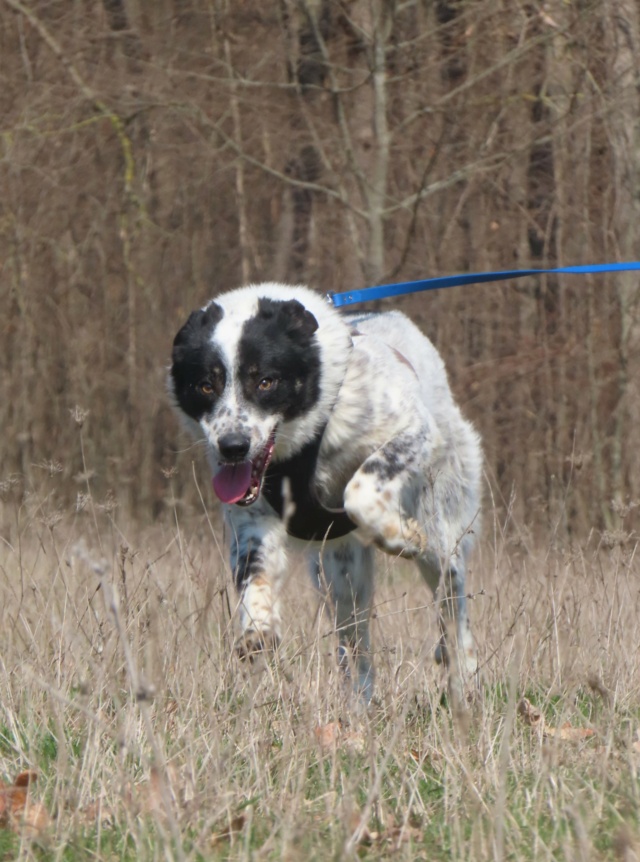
(310, 520)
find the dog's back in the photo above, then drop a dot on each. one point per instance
(394, 369)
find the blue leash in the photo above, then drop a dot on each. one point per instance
(384, 291)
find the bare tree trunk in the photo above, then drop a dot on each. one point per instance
(623, 45)
(118, 21)
(373, 21)
(243, 227)
(307, 70)
(542, 247)
(381, 31)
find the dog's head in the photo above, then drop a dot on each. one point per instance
(255, 372)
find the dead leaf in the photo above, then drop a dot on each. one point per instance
(18, 811)
(24, 779)
(418, 756)
(34, 818)
(163, 788)
(530, 715)
(361, 832)
(334, 733)
(534, 718)
(395, 834)
(235, 825)
(569, 733)
(421, 757)
(328, 734)
(159, 790)
(97, 812)
(154, 795)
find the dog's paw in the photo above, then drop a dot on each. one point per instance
(466, 658)
(361, 681)
(377, 515)
(414, 536)
(252, 643)
(403, 537)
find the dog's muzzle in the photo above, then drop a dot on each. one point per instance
(233, 447)
(239, 479)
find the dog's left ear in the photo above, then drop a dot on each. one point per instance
(298, 319)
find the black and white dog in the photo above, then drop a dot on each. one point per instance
(338, 432)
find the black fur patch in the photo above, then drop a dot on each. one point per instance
(278, 345)
(392, 459)
(310, 520)
(249, 564)
(195, 362)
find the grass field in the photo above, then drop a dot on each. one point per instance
(119, 687)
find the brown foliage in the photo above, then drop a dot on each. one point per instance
(154, 154)
(18, 811)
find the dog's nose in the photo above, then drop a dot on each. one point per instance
(234, 447)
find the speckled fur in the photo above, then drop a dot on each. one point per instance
(396, 453)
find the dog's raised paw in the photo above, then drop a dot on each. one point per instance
(400, 536)
(251, 644)
(404, 537)
(415, 536)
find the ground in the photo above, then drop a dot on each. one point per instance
(119, 687)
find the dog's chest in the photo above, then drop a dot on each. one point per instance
(365, 414)
(290, 488)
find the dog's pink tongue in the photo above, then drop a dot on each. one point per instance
(232, 481)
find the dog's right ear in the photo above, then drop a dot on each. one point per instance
(200, 323)
(289, 315)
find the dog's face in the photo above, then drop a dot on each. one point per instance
(244, 369)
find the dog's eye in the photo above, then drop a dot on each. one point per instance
(206, 388)
(266, 384)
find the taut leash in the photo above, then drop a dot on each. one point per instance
(384, 291)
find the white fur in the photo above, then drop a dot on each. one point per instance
(238, 305)
(396, 453)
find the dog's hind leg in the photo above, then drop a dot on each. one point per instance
(456, 648)
(344, 573)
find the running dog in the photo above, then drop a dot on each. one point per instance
(337, 431)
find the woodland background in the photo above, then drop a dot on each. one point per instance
(155, 153)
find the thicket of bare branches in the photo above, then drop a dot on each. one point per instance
(152, 154)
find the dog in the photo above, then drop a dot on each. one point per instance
(339, 433)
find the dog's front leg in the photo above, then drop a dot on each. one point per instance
(381, 499)
(258, 561)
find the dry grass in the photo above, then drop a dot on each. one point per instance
(118, 684)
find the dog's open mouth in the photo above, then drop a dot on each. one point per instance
(241, 483)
